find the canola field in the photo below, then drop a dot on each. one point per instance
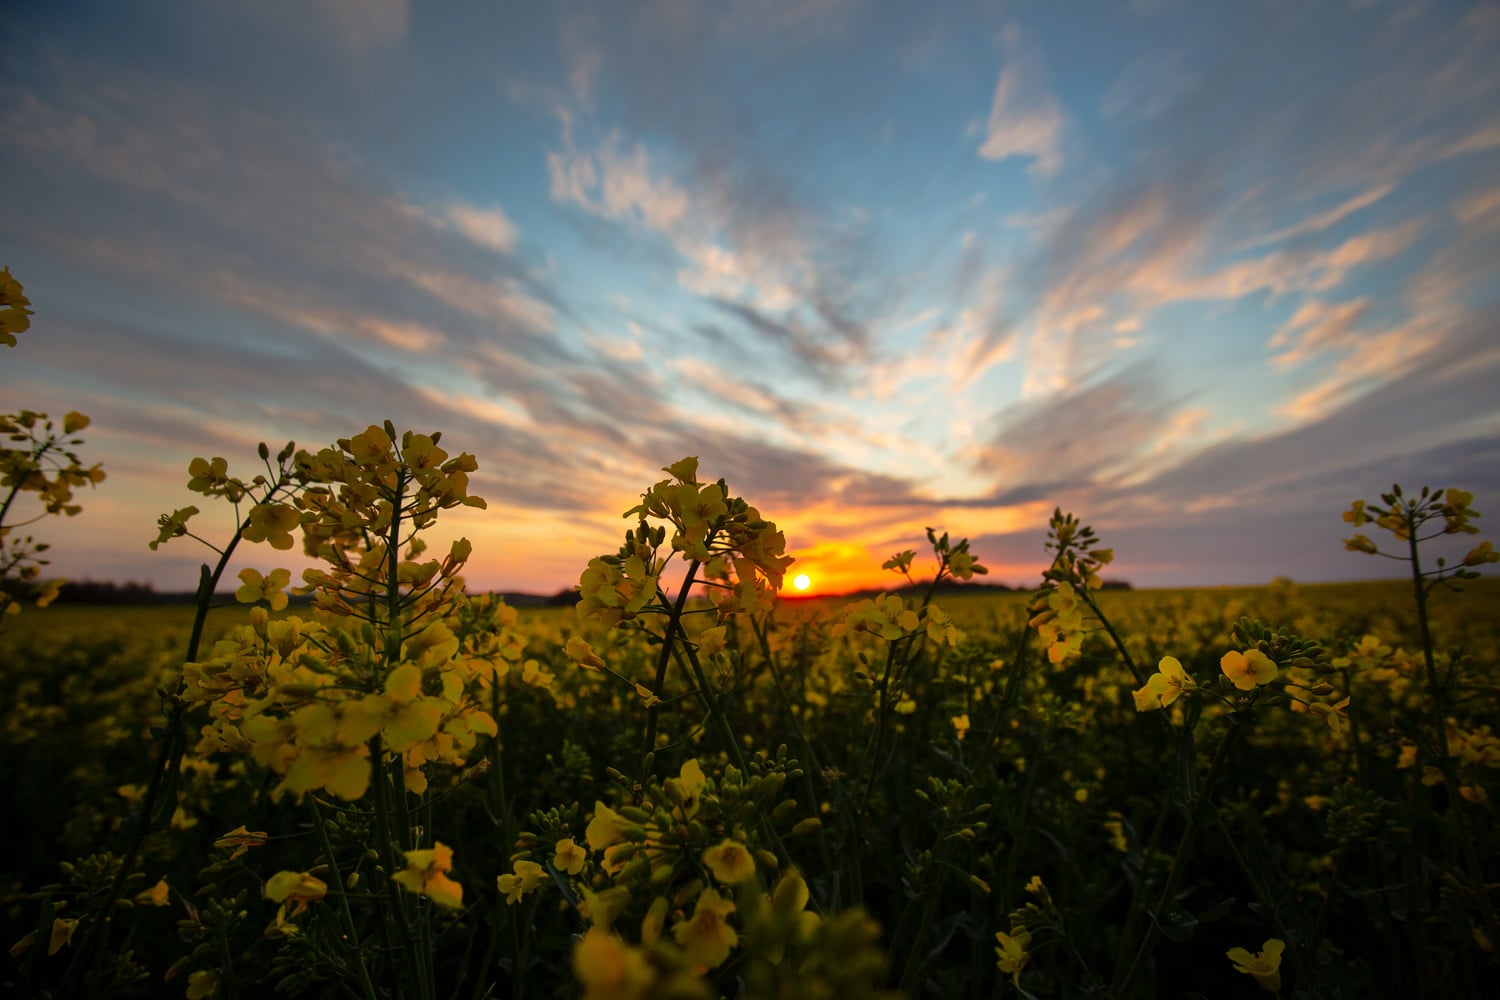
(687, 787)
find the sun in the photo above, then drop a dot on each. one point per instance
(801, 581)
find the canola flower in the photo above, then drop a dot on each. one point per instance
(526, 876)
(1264, 965)
(730, 862)
(1165, 686)
(39, 462)
(1011, 953)
(1248, 670)
(426, 874)
(387, 708)
(707, 936)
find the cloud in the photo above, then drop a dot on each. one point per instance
(252, 212)
(758, 268)
(1317, 327)
(1424, 401)
(1025, 119)
(1247, 150)
(487, 227)
(1082, 436)
(1333, 216)
(1479, 208)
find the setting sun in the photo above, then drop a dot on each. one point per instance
(801, 581)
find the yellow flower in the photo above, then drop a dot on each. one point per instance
(604, 829)
(706, 936)
(14, 316)
(730, 862)
(528, 876)
(48, 591)
(1334, 715)
(173, 525)
(1163, 687)
(203, 983)
(610, 969)
(409, 717)
(211, 478)
(581, 653)
(1265, 966)
(1484, 552)
(271, 522)
(62, 934)
(964, 566)
(157, 895)
(1011, 954)
(713, 640)
(686, 790)
(256, 588)
(569, 857)
(684, 470)
(426, 874)
(1249, 669)
(887, 617)
(961, 725)
(241, 840)
(293, 890)
(1456, 512)
(940, 627)
(1361, 543)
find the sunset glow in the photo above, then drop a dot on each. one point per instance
(1198, 272)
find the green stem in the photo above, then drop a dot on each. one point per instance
(710, 702)
(351, 932)
(1122, 983)
(1135, 671)
(811, 758)
(407, 964)
(674, 627)
(167, 762)
(929, 899)
(1321, 921)
(1437, 695)
(865, 776)
(1260, 885)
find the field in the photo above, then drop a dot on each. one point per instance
(688, 788)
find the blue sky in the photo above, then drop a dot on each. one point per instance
(1202, 273)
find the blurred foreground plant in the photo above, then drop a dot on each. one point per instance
(38, 457)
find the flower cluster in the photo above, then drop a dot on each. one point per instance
(1414, 519)
(1057, 616)
(37, 460)
(364, 504)
(684, 872)
(15, 311)
(891, 618)
(742, 554)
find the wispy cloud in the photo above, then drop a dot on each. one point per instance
(1025, 119)
(614, 235)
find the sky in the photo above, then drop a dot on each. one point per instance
(1200, 273)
